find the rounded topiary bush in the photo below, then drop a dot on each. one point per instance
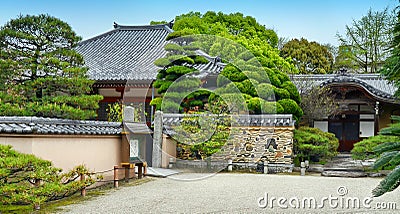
(291, 107)
(272, 108)
(314, 145)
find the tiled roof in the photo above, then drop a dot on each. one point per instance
(125, 53)
(239, 120)
(214, 66)
(375, 84)
(40, 125)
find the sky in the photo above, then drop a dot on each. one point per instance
(315, 20)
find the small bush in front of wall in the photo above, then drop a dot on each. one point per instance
(200, 137)
(314, 145)
(26, 179)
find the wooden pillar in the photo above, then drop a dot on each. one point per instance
(83, 191)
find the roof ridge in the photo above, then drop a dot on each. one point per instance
(118, 27)
(128, 27)
(55, 121)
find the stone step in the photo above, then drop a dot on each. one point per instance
(346, 174)
(344, 169)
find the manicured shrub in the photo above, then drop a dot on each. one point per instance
(313, 144)
(266, 91)
(281, 93)
(200, 60)
(248, 87)
(291, 107)
(173, 48)
(272, 108)
(162, 62)
(254, 105)
(365, 148)
(233, 74)
(292, 89)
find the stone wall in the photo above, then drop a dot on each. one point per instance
(253, 139)
(272, 145)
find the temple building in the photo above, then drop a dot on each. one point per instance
(366, 102)
(121, 61)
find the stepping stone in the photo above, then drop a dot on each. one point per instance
(344, 169)
(346, 174)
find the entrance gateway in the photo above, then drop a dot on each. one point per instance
(366, 103)
(349, 128)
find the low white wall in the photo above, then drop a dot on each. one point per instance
(97, 152)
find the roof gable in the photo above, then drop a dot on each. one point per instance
(375, 84)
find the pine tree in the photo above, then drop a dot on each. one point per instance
(389, 156)
(253, 79)
(391, 69)
(390, 151)
(41, 73)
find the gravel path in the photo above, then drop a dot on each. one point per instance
(238, 193)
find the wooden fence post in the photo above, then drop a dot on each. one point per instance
(83, 191)
(127, 173)
(116, 176)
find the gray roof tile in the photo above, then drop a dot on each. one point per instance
(373, 83)
(125, 53)
(40, 125)
(238, 120)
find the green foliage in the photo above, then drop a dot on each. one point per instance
(158, 22)
(365, 148)
(42, 72)
(162, 62)
(157, 102)
(390, 183)
(291, 107)
(309, 57)
(254, 105)
(254, 67)
(233, 74)
(173, 48)
(293, 92)
(115, 112)
(26, 179)
(367, 40)
(345, 59)
(389, 156)
(312, 142)
(266, 91)
(247, 87)
(200, 60)
(179, 70)
(227, 103)
(281, 93)
(201, 137)
(272, 108)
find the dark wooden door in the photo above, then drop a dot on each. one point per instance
(347, 130)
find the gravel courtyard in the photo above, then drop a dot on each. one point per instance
(241, 193)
